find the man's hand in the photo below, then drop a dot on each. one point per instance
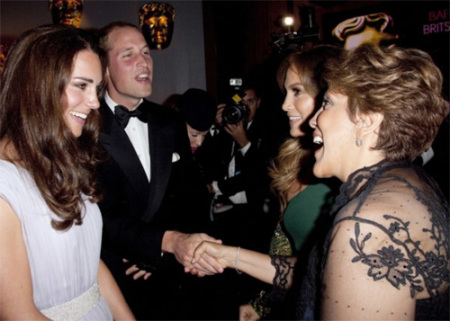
(137, 272)
(183, 246)
(238, 133)
(219, 119)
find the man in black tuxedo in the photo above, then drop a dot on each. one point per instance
(146, 192)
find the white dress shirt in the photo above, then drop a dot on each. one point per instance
(137, 132)
(239, 197)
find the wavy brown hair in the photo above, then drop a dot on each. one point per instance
(309, 65)
(295, 160)
(293, 163)
(38, 69)
(403, 84)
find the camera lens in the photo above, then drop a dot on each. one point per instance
(233, 114)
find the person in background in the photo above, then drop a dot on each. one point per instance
(242, 152)
(198, 109)
(305, 201)
(235, 161)
(50, 224)
(145, 179)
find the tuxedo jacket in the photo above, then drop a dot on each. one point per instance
(136, 212)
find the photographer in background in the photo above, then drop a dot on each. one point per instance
(235, 161)
(241, 185)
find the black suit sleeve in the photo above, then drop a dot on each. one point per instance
(129, 230)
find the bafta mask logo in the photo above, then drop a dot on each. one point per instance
(66, 12)
(371, 28)
(2, 61)
(157, 22)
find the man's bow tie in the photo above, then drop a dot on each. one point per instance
(123, 115)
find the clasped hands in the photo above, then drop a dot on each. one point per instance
(192, 254)
(193, 251)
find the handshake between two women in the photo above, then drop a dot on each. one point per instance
(215, 257)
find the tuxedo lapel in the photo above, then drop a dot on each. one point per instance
(116, 142)
(161, 138)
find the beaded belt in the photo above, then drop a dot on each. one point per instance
(76, 308)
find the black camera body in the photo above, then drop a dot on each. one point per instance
(235, 110)
(234, 113)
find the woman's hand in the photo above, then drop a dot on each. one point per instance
(215, 252)
(247, 313)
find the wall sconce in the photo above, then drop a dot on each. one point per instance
(288, 22)
(157, 22)
(66, 12)
(305, 37)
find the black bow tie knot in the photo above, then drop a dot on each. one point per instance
(123, 115)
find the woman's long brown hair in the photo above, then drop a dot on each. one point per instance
(38, 69)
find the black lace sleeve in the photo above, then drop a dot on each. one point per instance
(392, 227)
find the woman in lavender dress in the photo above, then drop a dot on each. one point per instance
(50, 225)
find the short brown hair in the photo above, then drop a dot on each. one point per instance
(104, 32)
(403, 84)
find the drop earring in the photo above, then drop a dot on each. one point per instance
(358, 142)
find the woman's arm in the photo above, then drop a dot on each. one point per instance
(16, 290)
(255, 264)
(112, 294)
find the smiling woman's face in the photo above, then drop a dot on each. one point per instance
(298, 104)
(80, 94)
(336, 135)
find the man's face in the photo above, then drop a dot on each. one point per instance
(252, 102)
(130, 67)
(66, 12)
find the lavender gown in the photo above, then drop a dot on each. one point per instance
(63, 264)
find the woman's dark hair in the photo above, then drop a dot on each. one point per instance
(38, 69)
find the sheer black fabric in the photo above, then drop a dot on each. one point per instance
(400, 205)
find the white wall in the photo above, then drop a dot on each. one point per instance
(176, 69)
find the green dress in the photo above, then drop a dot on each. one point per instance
(295, 231)
(303, 211)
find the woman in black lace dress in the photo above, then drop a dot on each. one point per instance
(387, 254)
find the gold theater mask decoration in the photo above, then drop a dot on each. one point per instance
(66, 12)
(370, 28)
(2, 61)
(157, 21)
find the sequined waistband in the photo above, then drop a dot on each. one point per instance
(76, 308)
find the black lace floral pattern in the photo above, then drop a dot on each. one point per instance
(390, 263)
(415, 223)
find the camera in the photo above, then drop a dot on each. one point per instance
(235, 111)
